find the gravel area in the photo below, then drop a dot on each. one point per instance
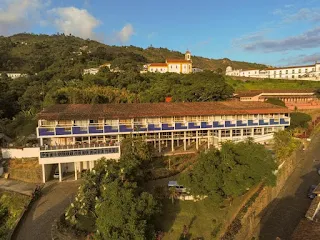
(38, 221)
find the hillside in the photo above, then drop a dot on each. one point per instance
(34, 53)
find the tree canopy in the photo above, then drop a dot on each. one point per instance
(231, 171)
(299, 119)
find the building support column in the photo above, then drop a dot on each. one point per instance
(60, 173)
(197, 140)
(43, 174)
(41, 142)
(208, 139)
(172, 142)
(159, 143)
(75, 171)
(185, 141)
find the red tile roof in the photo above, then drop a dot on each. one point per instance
(252, 93)
(307, 230)
(136, 110)
(158, 65)
(178, 61)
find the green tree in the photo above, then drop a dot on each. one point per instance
(231, 171)
(284, 144)
(299, 119)
(124, 212)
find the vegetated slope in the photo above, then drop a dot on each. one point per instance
(35, 53)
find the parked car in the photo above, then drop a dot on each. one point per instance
(56, 173)
(312, 195)
(179, 188)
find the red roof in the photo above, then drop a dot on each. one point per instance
(178, 61)
(252, 93)
(158, 65)
(136, 110)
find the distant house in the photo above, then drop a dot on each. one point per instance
(94, 71)
(15, 75)
(196, 70)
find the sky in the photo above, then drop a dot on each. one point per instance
(273, 32)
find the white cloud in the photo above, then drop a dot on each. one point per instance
(125, 34)
(19, 15)
(75, 21)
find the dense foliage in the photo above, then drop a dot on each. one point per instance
(112, 199)
(299, 119)
(276, 101)
(55, 64)
(284, 144)
(231, 171)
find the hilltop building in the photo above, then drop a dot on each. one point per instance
(14, 75)
(183, 66)
(74, 136)
(94, 71)
(307, 72)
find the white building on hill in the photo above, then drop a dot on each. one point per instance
(307, 72)
(183, 66)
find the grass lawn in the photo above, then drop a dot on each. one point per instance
(203, 218)
(15, 203)
(239, 85)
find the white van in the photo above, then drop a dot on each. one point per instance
(179, 188)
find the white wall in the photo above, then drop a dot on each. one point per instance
(20, 152)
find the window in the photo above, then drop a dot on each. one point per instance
(125, 122)
(286, 71)
(225, 133)
(247, 132)
(204, 118)
(299, 70)
(153, 120)
(292, 70)
(236, 132)
(292, 76)
(257, 131)
(179, 119)
(111, 122)
(306, 70)
(176, 67)
(166, 119)
(268, 130)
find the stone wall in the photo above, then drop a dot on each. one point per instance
(248, 219)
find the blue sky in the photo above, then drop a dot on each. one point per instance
(275, 32)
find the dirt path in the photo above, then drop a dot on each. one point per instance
(37, 223)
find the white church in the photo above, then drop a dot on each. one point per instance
(307, 72)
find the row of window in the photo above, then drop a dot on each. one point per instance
(79, 152)
(282, 71)
(138, 121)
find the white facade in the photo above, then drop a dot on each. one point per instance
(92, 71)
(310, 72)
(15, 75)
(9, 153)
(181, 66)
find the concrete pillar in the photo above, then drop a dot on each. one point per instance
(43, 173)
(41, 141)
(75, 171)
(159, 143)
(185, 141)
(208, 139)
(197, 140)
(172, 142)
(262, 131)
(60, 173)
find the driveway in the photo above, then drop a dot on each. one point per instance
(37, 223)
(283, 215)
(17, 186)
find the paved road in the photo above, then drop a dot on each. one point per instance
(38, 220)
(284, 214)
(17, 186)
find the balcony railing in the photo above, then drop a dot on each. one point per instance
(78, 146)
(100, 129)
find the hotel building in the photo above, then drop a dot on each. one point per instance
(74, 136)
(306, 72)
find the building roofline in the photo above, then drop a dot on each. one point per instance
(138, 110)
